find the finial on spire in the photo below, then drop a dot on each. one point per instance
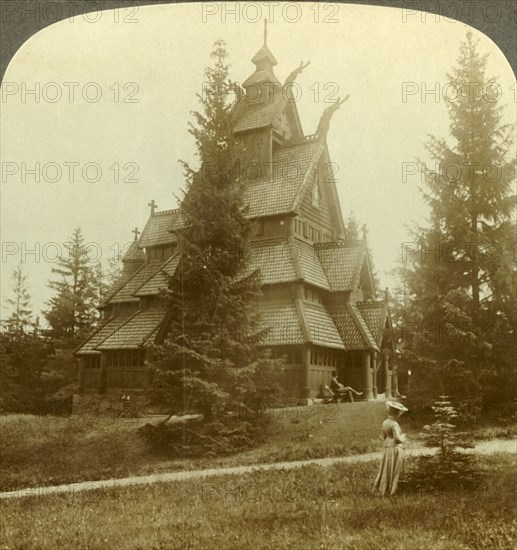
(364, 229)
(265, 31)
(386, 294)
(153, 206)
(136, 232)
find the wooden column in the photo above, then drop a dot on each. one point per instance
(387, 377)
(373, 359)
(367, 376)
(306, 372)
(81, 375)
(102, 374)
(395, 380)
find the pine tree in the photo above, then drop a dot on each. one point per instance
(72, 311)
(460, 281)
(449, 467)
(21, 316)
(210, 360)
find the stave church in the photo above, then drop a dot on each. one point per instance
(319, 299)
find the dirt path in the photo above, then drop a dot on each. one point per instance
(484, 447)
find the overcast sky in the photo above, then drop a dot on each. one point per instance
(127, 89)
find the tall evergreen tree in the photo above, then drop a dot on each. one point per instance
(460, 279)
(21, 315)
(72, 310)
(23, 353)
(210, 356)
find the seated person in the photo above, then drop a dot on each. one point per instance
(342, 391)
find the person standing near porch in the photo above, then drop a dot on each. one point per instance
(392, 464)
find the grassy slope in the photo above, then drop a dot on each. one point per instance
(51, 450)
(311, 508)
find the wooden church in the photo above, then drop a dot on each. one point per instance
(319, 298)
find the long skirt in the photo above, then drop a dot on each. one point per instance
(391, 469)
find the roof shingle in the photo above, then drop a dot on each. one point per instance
(322, 329)
(274, 261)
(127, 291)
(374, 314)
(159, 280)
(353, 329)
(310, 265)
(270, 197)
(342, 264)
(135, 332)
(157, 229)
(284, 323)
(109, 327)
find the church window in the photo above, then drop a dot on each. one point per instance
(259, 227)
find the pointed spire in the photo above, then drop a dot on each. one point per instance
(364, 229)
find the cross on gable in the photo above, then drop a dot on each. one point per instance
(136, 232)
(153, 206)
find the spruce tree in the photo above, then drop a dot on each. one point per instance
(21, 315)
(210, 361)
(72, 312)
(460, 278)
(24, 353)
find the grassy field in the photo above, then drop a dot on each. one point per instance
(310, 508)
(39, 451)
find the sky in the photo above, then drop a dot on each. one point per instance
(95, 114)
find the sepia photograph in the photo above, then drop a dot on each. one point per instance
(258, 285)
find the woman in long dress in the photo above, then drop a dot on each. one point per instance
(392, 463)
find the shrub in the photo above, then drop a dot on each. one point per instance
(201, 438)
(449, 467)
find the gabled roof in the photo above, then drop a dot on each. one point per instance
(352, 328)
(309, 264)
(159, 280)
(156, 231)
(283, 322)
(320, 325)
(342, 264)
(109, 327)
(291, 166)
(375, 313)
(249, 114)
(134, 253)
(127, 291)
(274, 261)
(135, 332)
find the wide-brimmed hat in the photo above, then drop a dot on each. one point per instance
(396, 405)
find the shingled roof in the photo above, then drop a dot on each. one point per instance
(342, 264)
(309, 264)
(159, 280)
(157, 230)
(274, 261)
(320, 325)
(283, 322)
(109, 327)
(134, 253)
(252, 115)
(127, 292)
(135, 332)
(374, 313)
(352, 328)
(270, 197)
